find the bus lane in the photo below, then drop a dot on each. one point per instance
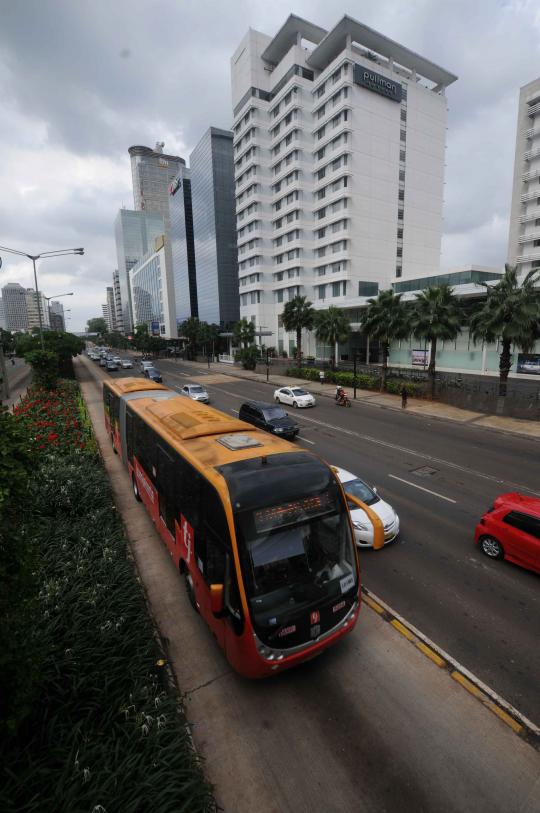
(369, 725)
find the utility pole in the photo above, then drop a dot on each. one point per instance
(267, 364)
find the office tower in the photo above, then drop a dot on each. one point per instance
(152, 172)
(524, 233)
(135, 233)
(3, 323)
(182, 247)
(118, 320)
(15, 313)
(106, 313)
(35, 308)
(111, 309)
(56, 316)
(339, 146)
(214, 227)
(153, 291)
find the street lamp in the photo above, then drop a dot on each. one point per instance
(61, 252)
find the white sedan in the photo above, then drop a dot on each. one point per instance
(363, 529)
(127, 364)
(294, 396)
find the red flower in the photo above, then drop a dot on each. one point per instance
(52, 436)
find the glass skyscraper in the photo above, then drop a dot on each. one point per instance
(152, 171)
(183, 251)
(135, 234)
(214, 228)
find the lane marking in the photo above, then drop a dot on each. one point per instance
(517, 721)
(306, 440)
(430, 653)
(402, 629)
(422, 455)
(415, 485)
(373, 604)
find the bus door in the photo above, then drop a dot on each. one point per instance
(211, 539)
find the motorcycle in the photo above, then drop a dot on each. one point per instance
(343, 401)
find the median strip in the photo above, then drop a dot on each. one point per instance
(509, 715)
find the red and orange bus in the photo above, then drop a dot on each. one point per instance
(259, 528)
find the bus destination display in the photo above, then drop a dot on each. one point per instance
(287, 513)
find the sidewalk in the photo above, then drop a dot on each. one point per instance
(418, 406)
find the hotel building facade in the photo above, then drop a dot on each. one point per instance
(339, 149)
(524, 235)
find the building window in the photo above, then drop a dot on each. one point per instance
(400, 234)
(321, 291)
(368, 288)
(536, 243)
(536, 264)
(402, 155)
(320, 153)
(398, 270)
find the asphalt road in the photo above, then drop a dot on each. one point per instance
(372, 725)
(440, 477)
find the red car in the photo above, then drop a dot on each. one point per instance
(511, 530)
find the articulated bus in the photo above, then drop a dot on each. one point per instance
(259, 528)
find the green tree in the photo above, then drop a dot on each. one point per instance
(510, 314)
(332, 326)
(244, 333)
(97, 325)
(209, 337)
(64, 345)
(141, 338)
(298, 315)
(435, 315)
(385, 320)
(190, 331)
(44, 365)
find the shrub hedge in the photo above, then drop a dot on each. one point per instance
(105, 732)
(363, 380)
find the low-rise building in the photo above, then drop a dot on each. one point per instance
(152, 291)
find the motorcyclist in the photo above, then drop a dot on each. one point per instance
(341, 395)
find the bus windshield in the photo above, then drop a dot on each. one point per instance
(295, 546)
(296, 555)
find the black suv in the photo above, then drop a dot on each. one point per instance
(269, 417)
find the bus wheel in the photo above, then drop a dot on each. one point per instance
(191, 592)
(135, 489)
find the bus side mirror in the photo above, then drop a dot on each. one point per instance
(216, 598)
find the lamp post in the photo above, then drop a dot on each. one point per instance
(62, 252)
(58, 296)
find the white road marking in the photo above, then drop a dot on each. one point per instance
(415, 485)
(307, 441)
(405, 450)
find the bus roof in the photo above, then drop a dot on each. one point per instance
(210, 436)
(123, 386)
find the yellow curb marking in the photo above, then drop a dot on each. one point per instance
(515, 726)
(402, 629)
(373, 604)
(468, 685)
(430, 654)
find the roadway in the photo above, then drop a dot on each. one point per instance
(372, 725)
(440, 476)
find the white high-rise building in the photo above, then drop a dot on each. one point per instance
(524, 235)
(339, 148)
(35, 308)
(118, 320)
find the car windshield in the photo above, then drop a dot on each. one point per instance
(296, 553)
(361, 491)
(196, 388)
(274, 412)
(299, 391)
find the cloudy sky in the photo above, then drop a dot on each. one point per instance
(82, 80)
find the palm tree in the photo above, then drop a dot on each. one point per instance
(511, 314)
(436, 315)
(298, 315)
(386, 320)
(332, 326)
(244, 333)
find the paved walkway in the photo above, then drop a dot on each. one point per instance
(418, 406)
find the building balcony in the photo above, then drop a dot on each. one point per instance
(528, 238)
(331, 133)
(532, 111)
(532, 215)
(530, 195)
(335, 110)
(532, 132)
(531, 256)
(295, 124)
(532, 153)
(531, 175)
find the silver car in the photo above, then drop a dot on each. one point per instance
(196, 393)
